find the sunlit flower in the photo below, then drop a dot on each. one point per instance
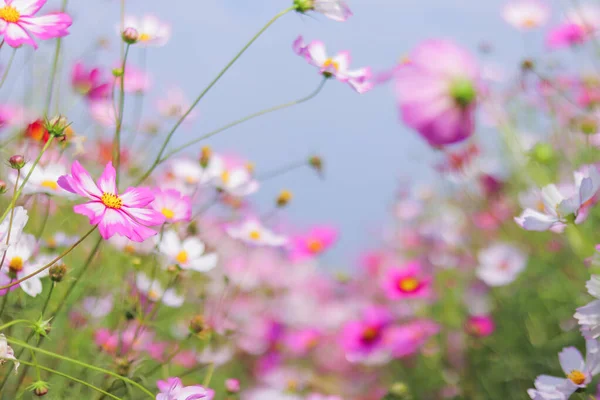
(154, 292)
(558, 207)
(500, 264)
(173, 389)
(173, 205)
(236, 181)
(437, 92)
(151, 30)
(589, 315)
(126, 214)
(407, 282)
(19, 220)
(337, 66)
(19, 262)
(7, 353)
(252, 231)
(89, 83)
(526, 14)
(19, 25)
(188, 253)
(579, 373)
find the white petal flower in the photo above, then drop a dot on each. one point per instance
(7, 353)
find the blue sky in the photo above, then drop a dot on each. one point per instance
(367, 151)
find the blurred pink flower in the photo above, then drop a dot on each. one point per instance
(173, 205)
(136, 81)
(437, 92)
(361, 337)
(480, 325)
(407, 339)
(89, 83)
(173, 389)
(313, 243)
(407, 282)
(566, 34)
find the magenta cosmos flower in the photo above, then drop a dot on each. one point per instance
(18, 23)
(173, 205)
(437, 92)
(407, 282)
(89, 83)
(126, 214)
(364, 336)
(407, 339)
(313, 243)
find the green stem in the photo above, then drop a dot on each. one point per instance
(119, 122)
(81, 364)
(10, 61)
(14, 322)
(210, 85)
(35, 163)
(51, 263)
(45, 220)
(54, 68)
(48, 299)
(209, 374)
(246, 118)
(36, 365)
(52, 371)
(282, 170)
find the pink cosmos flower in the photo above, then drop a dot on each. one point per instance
(360, 337)
(437, 92)
(126, 214)
(407, 339)
(136, 81)
(18, 23)
(232, 385)
(173, 205)
(480, 325)
(407, 282)
(89, 83)
(315, 242)
(173, 389)
(565, 35)
(337, 66)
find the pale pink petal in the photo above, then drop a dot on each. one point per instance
(48, 26)
(137, 197)
(28, 7)
(16, 36)
(94, 210)
(114, 222)
(146, 216)
(108, 180)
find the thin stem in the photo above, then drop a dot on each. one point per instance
(282, 170)
(81, 364)
(210, 85)
(209, 374)
(119, 122)
(54, 68)
(35, 163)
(48, 298)
(36, 365)
(45, 220)
(51, 263)
(14, 322)
(55, 372)
(88, 262)
(247, 118)
(10, 61)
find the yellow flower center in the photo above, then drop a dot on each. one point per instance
(129, 249)
(153, 295)
(408, 284)
(225, 176)
(16, 264)
(529, 23)
(9, 14)
(182, 257)
(370, 334)
(190, 179)
(169, 214)
(254, 235)
(144, 37)
(315, 246)
(111, 201)
(576, 376)
(330, 63)
(50, 184)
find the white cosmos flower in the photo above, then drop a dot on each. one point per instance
(43, 179)
(236, 181)
(526, 14)
(589, 315)
(558, 206)
(500, 264)
(187, 253)
(98, 307)
(151, 30)
(19, 220)
(336, 10)
(18, 262)
(155, 292)
(253, 232)
(7, 353)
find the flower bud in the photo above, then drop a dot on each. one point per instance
(527, 65)
(205, 155)
(284, 198)
(117, 72)
(3, 187)
(543, 153)
(197, 324)
(39, 388)
(40, 391)
(316, 163)
(58, 127)
(303, 6)
(57, 272)
(588, 126)
(130, 35)
(232, 386)
(122, 365)
(17, 161)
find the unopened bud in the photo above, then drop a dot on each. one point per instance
(527, 65)
(588, 126)
(39, 388)
(205, 155)
(284, 198)
(316, 163)
(122, 365)
(58, 127)
(41, 391)
(17, 161)
(117, 72)
(543, 153)
(197, 324)
(57, 272)
(250, 167)
(130, 35)
(303, 6)
(232, 386)
(3, 187)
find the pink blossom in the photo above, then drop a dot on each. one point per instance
(407, 339)
(407, 282)
(126, 214)
(136, 81)
(565, 35)
(173, 389)
(173, 205)
(313, 243)
(437, 92)
(232, 385)
(302, 341)
(366, 335)
(19, 25)
(480, 325)
(89, 83)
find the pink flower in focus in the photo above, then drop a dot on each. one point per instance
(89, 83)
(480, 325)
(337, 66)
(173, 205)
(407, 282)
(173, 389)
(407, 339)
(19, 24)
(361, 337)
(437, 92)
(315, 242)
(126, 214)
